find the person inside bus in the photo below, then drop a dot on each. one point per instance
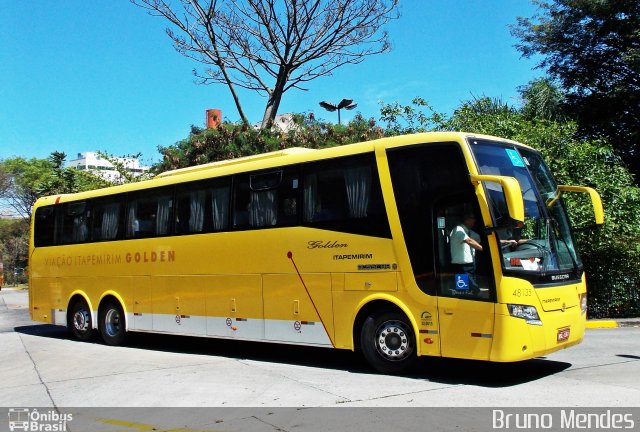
(464, 244)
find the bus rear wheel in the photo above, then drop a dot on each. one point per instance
(388, 342)
(112, 323)
(79, 321)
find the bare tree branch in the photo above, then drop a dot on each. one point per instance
(273, 46)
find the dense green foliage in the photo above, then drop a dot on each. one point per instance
(592, 49)
(22, 182)
(237, 140)
(14, 248)
(29, 179)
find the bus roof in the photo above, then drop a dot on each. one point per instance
(277, 158)
(240, 160)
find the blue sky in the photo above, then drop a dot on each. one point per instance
(102, 75)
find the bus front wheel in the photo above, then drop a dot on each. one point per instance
(112, 323)
(79, 321)
(388, 342)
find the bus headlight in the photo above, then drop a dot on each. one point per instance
(583, 302)
(527, 313)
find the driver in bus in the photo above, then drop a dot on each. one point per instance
(464, 243)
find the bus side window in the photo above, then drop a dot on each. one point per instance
(263, 198)
(107, 218)
(202, 206)
(266, 199)
(241, 197)
(288, 193)
(324, 196)
(45, 225)
(344, 195)
(149, 213)
(75, 222)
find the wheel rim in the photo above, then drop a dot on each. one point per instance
(393, 341)
(112, 322)
(81, 320)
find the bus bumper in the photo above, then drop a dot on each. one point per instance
(515, 339)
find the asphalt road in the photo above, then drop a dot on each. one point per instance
(41, 366)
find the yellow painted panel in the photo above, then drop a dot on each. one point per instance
(371, 282)
(178, 304)
(235, 296)
(40, 293)
(142, 306)
(466, 328)
(285, 298)
(181, 295)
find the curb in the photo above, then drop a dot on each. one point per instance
(602, 324)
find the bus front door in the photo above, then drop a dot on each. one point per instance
(465, 286)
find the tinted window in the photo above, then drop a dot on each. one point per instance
(266, 199)
(75, 223)
(203, 206)
(45, 226)
(108, 218)
(421, 177)
(149, 213)
(344, 195)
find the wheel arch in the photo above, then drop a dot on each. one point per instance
(81, 295)
(379, 303)
(112, 295)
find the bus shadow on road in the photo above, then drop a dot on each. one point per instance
(487, 374)
(432, 369)
(43, 330)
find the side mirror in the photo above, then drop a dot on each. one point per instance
(512, 194)
(596, 201)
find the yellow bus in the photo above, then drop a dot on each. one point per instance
(350, 247)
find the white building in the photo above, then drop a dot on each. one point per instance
(92, 161)
(283, 122)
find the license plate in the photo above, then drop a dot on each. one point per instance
(563, 334)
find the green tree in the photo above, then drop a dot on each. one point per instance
(14, 248)
(592, 48)
(417, 117)
(237, 140)
(29, 179)
(543, 100)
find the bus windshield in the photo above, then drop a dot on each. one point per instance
(545, 245)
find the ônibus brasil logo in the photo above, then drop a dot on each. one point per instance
(32, 420)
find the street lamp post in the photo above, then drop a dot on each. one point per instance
(347, 104)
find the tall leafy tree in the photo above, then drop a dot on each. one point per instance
(542, 99)
(273, 46)
(14, 246)
(29, 179)
(592, 48)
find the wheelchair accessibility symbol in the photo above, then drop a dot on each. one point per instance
(462, 281)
